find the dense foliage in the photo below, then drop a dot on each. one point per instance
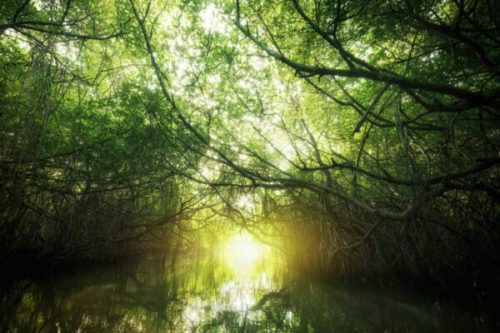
(367, 131)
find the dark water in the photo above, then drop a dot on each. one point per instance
(225, 290)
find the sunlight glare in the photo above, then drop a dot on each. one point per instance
(212, 20)
(245, 202)
(242, 252)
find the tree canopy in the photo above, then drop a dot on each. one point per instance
(375, 123)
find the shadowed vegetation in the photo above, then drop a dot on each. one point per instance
(359, 137)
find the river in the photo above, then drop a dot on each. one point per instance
(239, 286)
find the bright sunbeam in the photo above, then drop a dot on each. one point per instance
(242, 251)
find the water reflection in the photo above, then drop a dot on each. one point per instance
(251, 270)
(239, 287)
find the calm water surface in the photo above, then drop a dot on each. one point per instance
(238, 287)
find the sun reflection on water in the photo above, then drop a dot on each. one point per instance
(250, 265)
